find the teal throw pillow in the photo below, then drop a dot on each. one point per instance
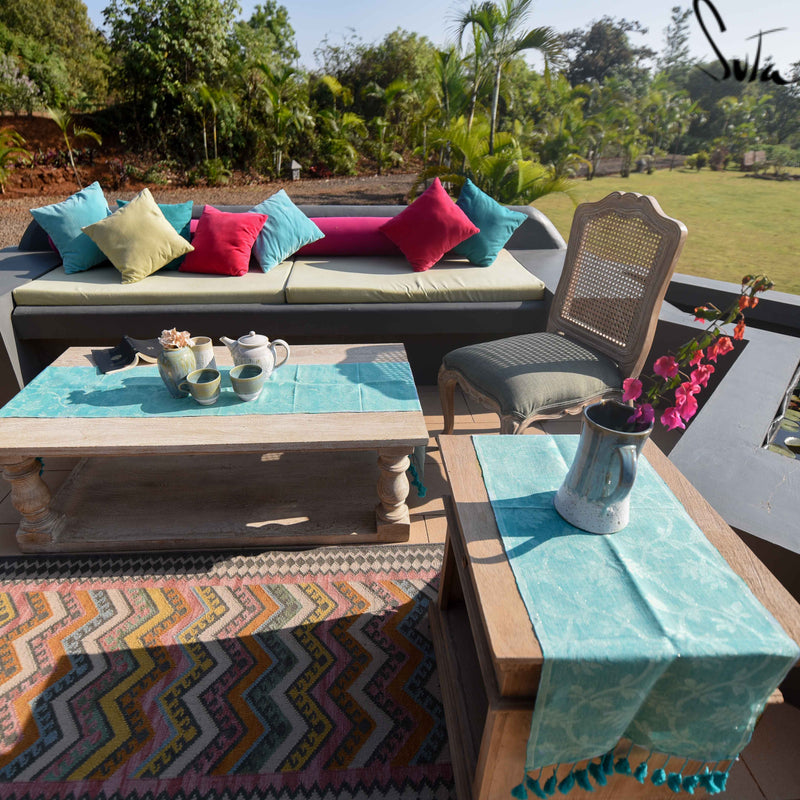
(63, 223)
(179, 215)
(287, 229)
(496, 223)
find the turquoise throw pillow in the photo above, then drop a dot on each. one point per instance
(179, 215)
(284, 233)
(63, 222)
(496, 223)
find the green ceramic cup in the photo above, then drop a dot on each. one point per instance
(203, 385)
(247, 381)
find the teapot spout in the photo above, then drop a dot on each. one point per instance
(227, 342)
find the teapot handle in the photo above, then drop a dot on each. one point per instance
(275, 343)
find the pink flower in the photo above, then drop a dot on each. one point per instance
(672, 419)
(684, 399)
(697, 357)
(666, 366)
(644, 415)
(631, 389)
(701, 375)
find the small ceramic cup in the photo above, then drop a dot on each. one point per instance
(203, 385)
(203, 352)
(247, 381)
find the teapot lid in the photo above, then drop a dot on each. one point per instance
(253, 339)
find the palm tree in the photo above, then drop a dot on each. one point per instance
(287, 108)
(64, 120)
(502, 39)
(504, 175)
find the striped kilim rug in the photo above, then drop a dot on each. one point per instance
(207, 677)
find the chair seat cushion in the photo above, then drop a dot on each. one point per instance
(535, 373)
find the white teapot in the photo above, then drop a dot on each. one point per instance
(255, 348)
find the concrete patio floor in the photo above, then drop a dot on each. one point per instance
(770, 767)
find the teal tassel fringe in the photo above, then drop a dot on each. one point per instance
(520, 792)
(714, 782)
(533, 785)
(659, 777)
(608, 762)
(675, 781)
(596, 771)
(690, 783)
(722, 779)
(582, 779)
(623, 766)
(417, 483)
(565, 787)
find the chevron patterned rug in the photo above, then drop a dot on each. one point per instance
(277, 676)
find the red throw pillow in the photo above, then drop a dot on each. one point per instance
(350, 236)
(429, 227)
(222, 242)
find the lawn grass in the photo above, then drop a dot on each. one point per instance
(737, 225)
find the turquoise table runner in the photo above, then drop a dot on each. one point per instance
(292, 389)
(648, 635)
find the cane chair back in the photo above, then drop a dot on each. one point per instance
(620, 258)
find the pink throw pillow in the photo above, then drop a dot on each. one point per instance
(429, 227)
(222, 242)
(350, 236)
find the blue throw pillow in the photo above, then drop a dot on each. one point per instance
(496, 223)
(179, 215)
(63, 222)
(284, 233)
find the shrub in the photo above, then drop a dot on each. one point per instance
(697, 161)
(719, 158)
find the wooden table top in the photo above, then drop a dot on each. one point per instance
(514, 646)
(223, 434)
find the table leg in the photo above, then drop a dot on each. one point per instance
(392, 512)
(31, 497)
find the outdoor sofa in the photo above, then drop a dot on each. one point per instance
(304, 300)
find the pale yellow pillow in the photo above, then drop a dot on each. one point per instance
(137, 239)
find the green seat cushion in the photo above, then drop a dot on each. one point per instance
(535, 372)
(387, 279)
(101, 287)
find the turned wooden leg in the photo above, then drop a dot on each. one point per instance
(31, 497)
(447, 391)
(392, 511)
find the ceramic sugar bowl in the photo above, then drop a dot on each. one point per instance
(255, 348)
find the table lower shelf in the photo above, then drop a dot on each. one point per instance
(202, 502)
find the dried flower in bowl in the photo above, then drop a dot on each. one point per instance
(173, 339)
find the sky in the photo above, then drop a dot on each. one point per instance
(371, 20)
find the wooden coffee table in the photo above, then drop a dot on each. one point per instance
(189, 482)
(487, 654)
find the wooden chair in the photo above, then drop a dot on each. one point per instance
(621, 255)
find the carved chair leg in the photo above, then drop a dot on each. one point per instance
(447, 391)
(509, 425)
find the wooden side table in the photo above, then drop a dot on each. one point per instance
(488, 656)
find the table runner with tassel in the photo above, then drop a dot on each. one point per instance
(648, 635)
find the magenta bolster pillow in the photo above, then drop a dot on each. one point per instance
(350, 236)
